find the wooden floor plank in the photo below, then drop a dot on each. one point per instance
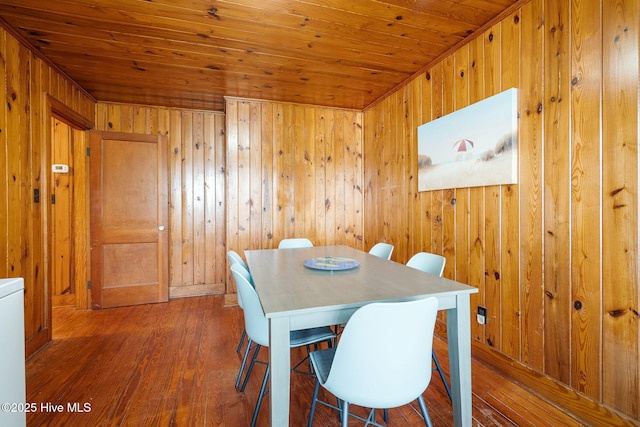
(175, 364)
(154, 381)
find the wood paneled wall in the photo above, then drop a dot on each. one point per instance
(197, 255)
(293, 171)
(555, 257)
(290, 170)
(25, 120)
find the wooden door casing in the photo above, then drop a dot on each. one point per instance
(129, 211)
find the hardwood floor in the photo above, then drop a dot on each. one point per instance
(175, 364)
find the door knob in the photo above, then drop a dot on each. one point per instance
(161, 228)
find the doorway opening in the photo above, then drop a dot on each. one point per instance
(63, 283)
(66, 193)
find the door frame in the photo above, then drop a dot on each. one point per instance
(80, 203)
(56, 108)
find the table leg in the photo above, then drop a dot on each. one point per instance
(280, 362)
(459, 340)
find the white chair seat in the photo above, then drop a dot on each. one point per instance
(382, 250)
(385, 376)
(235, 258)
(322, 361)
(298, 242)
(257, 327)
(432, 264)
(311, 336)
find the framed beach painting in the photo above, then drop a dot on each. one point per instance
(472, 147)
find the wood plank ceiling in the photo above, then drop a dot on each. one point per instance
(192, 53)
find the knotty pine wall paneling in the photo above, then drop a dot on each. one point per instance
(197, 255)
(25, 120)
(459, 261)
(586, 72)
(530, 141)
(510, 308)
(620, 295)
(555, 256)
(557, 191)
(292, 171)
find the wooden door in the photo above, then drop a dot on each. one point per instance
(129, 212)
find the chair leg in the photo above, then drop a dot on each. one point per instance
(386, 416)
(244, 362)
(425, 413)
(345, 413)
(442, 377)
(253, 362)
(314, 401)
(244, 334)
(372, 417)
(260, 396)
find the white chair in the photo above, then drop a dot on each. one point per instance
(433, 264)
(300, 242)
(257, 327)
(382, 250)
(385, 376)
(234, 259)
(428, 262)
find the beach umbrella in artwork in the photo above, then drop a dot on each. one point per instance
(463, 145)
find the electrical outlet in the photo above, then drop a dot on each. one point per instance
(482, 315)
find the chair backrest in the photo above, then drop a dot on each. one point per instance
(383, 357)
(300, 242)
(428, 262)
(255, 322)
(382, 250)
(234, 257)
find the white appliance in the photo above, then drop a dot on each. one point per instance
(12, 371)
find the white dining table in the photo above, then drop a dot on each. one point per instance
(295, 297)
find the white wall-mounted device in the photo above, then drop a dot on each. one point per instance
(58, 168)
